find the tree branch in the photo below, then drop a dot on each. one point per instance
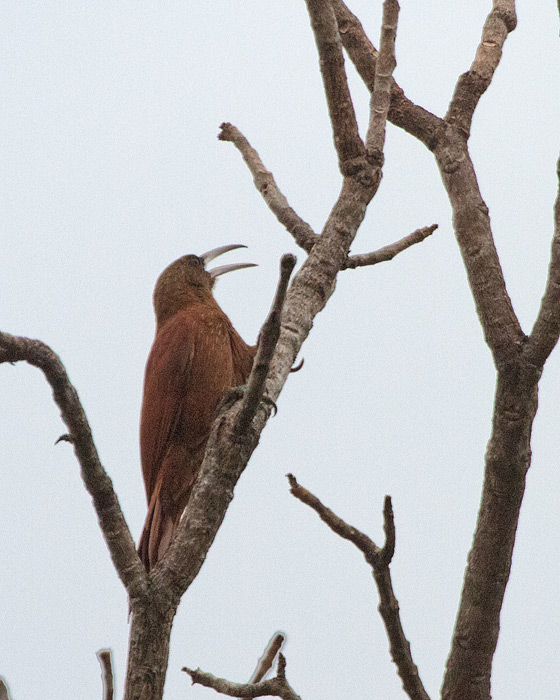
(508, 457)
(381, 93)
(471, 221)
(267, 659)
(546, 330)
(408, 116)
(379, 560)
(474, 83)
(99, 485)
(278, 686)
(265, 183)
(105, 659)
(268, 338)
(349, 146)
(388, 252)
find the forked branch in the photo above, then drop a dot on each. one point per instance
(379, 558)
(267, 659)
(414, 119)
(275, 687)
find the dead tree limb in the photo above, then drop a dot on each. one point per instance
(100, 487)
(267, 659)
(105, 659)
(546, 330)
(410, 117)
(379, 558)
(275, 687)
(268, 338)
(265, 183)
(388, 252)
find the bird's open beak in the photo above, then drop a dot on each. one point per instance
(222, 269)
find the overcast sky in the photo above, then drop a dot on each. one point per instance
(110, 170)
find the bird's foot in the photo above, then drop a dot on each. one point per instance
(236, 393)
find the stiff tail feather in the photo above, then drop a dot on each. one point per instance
(157, 534)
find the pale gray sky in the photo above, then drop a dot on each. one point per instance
(111, 169)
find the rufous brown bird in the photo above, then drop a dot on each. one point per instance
(196, 357)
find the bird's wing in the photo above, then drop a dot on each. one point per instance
(243, 356)
(189, 368)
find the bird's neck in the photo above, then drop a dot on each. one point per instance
(168, 302)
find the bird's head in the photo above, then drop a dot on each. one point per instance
(187, 281)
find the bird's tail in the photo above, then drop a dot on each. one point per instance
(158, 532)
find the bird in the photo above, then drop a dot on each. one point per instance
(196, 357)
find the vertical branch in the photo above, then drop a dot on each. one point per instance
(386, 63)
(508, 457)
(408, 116)
(106, 662)
(268, 337)
(349, 146)
(546, 330)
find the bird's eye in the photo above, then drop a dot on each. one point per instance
(195, 261)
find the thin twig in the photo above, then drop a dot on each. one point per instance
(277, 687)
(388, 252)
(96, 480)
(379, 560)
(267, 659)
(105, 658)
(265, 183)
(546, 330)
(349, 146)
(369, 549)
(381, 94)
(268, 337)
(474, 83)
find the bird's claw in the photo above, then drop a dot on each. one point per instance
(238, 392)
(65, 438)
(272, 405)
(230, 397)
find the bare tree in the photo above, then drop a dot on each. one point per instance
(518, 359)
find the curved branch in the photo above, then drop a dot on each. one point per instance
(265, 183)
(111, 519)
